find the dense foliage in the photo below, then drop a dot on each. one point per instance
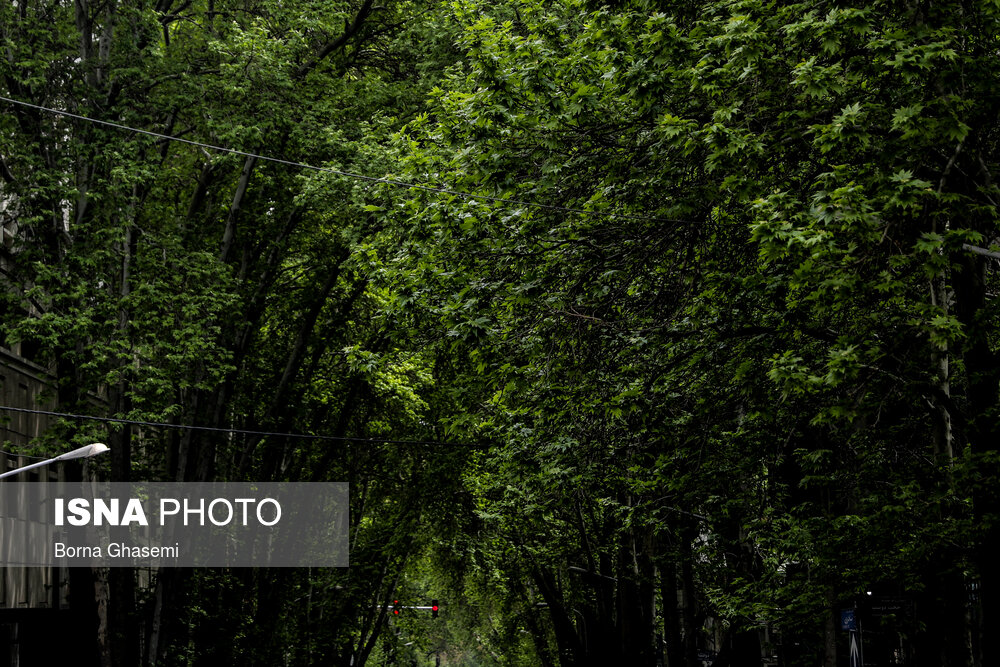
(696, 306)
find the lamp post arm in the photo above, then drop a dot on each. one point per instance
(24, 468)
(81, 453)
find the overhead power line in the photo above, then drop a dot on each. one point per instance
(39, 458)
(361, 177)
(240, 431)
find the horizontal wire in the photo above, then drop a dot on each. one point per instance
(215, 429)
(21, 455)
(371, 179)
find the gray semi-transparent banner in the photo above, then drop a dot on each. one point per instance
(162, 524)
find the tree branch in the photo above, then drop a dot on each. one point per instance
(981, 251)
(350, 30)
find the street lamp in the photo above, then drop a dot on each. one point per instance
(82, 453)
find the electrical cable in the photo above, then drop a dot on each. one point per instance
(371, 179)
(215, 429)
(40, 458)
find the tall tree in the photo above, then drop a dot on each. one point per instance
(767, 285)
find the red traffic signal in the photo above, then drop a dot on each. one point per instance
(396, 608)
(434, 608)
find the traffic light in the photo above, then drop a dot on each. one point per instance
(396, 608)
(434, 608)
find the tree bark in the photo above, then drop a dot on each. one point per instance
(229, 235)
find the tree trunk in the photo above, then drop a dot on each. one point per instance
(688, 625)
(229, 235)
(671, 612)
(983, 433)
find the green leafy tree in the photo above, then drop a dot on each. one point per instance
(780, 281)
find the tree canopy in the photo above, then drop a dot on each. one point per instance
(679, 317)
